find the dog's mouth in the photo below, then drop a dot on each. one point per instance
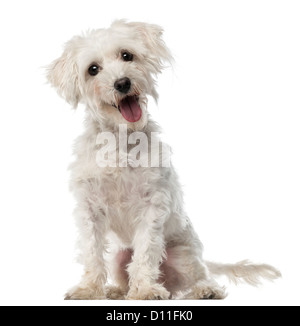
(129, 108)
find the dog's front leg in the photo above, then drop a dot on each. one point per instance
(91, 223)
(149, 248)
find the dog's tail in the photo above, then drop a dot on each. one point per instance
(244, 272)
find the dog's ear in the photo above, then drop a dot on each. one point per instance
(151, 36)
(63, 75)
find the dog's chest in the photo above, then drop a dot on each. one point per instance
(123, 187)
(124, 193)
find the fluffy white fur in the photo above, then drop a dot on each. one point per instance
(135, 215)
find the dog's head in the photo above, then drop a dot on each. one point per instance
(112, 71)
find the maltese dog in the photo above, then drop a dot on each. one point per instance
(136, 240)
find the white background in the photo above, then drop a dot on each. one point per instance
(230, 109)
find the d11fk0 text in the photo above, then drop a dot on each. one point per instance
(171, 315)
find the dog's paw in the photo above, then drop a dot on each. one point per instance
(114, 293)
(85, 293)
(153, 292)
(206, 293)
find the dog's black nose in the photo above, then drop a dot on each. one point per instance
(123, 85)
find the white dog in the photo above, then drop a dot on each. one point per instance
(135, 213)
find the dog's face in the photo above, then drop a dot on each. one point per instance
(112, 71)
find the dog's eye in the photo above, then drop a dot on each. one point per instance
(126, 56)
(93, 70)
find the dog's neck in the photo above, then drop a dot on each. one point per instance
(105, 125)
(93, 134)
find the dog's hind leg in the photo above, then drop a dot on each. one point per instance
(186, 275)
(205, 290)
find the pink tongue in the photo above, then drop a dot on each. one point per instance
(130, 109)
